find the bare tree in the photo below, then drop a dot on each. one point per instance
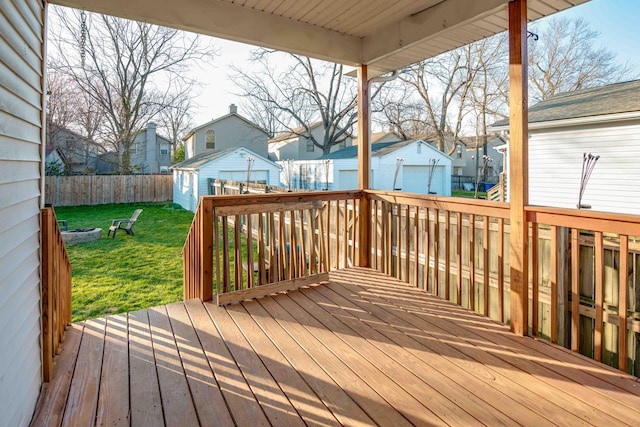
(443, 84)
(176, 118)
(130, 69)
(397, 109)
(293, 99)
(564, 58)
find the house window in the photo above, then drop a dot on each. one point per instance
(164, 149)
(310, 146)
(210, 139)
(459, 153)
(164, 169)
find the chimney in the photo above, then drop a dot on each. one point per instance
(233, 109)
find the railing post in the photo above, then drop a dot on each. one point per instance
(364, 167)
(47, 295)
(518, 165)
(206, 250)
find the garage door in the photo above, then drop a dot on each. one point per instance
(415, 179)
(261, 176)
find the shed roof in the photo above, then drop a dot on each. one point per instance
(592, 102)
(377, 150)
(196, 162)
(385, 35)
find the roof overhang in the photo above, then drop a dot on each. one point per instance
(384, 35)
(576, 121)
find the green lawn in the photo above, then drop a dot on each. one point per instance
(462, 193)
(129, 272)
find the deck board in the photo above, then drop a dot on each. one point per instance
(364, 349)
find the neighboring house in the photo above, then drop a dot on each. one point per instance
(150, 152)
(191, 178)
(405, 163)
(298, 145)
(53, 155)
(229, 131)
(604, 121)
(78, 153)
(471, 148)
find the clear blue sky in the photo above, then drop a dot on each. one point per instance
(617, 21)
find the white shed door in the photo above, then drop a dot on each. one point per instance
(415, 179)
(348, 179)
(256, 175)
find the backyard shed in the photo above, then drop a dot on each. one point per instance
(191, 177)
(413, 160)
(604, 121)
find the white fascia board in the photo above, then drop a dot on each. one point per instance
(432, 21)
(230, 21)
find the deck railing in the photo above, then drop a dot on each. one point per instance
(56, 290)
(245, 246)
(580, 289)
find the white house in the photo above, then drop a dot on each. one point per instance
(604, 121)
(298, 145)
(229, 131)
(407, 164)
(191, 178)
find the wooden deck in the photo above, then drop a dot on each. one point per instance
(361, 350)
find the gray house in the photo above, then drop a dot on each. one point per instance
(229, 131)
(604, 121)
(151, 153)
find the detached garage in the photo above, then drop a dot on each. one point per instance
(407, 164)
(191, 177)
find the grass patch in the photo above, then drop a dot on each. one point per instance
(129, 272)
(462, 193)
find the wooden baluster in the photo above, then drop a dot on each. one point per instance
(237, 245)
(599, 282)
(274, 265)
(458, 258)
(553, 277)
(427, 249)
(281, 248)
(375, 235)
(485, 267)
(407, 245)
(313, 261)
(472, 262)
(416, 246)
(328, 247)
(501, 269)
(293, 247)
(226, 260)
(250, 268)
(304, 255)
(262, 271)
(436, 255)
(447, 255)
(398, 241)
(216, 242)
(354, 230)
(345, 237)
(534, 278)
(622, 304)
(575, 290)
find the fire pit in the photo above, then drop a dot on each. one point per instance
(81, 235)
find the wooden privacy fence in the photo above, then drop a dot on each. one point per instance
(102, 189)
(56, 290)
(582, 293)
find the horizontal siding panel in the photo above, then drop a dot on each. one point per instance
(28, 35)
(12, 262)
(14, 127)
(12, 149)
(20, 108)
(19, 43)
(36, 8)
(13, 83)
(17, 234)
(11, 194)
(32, 16)
(14, 61)
(16, 215)
(18, 324)
(14, 171)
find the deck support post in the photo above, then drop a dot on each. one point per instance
(364, 166)
(518, 165)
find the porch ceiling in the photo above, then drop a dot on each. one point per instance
(382, 34)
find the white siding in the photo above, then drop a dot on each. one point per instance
(189, 186)
(555, 165)
(21, 89)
